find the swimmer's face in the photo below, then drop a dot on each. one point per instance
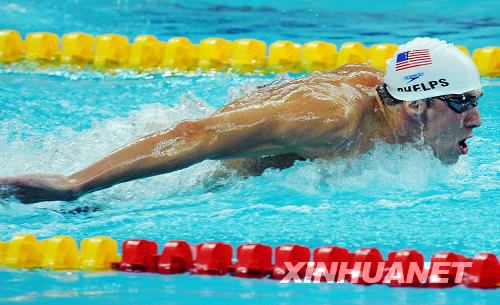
(446, 130)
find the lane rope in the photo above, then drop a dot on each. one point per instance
(179, 55)
(403, 268)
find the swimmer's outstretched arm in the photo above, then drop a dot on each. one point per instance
(238, 133)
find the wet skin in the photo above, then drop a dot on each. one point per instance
(323, 115)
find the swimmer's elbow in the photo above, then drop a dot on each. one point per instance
(199, 138)
(189, 129)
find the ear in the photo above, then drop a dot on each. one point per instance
(415, 109)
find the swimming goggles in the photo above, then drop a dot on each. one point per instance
(458, 103)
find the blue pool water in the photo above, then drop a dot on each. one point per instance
(391, 198)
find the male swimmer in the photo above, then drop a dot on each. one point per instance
(428, 95)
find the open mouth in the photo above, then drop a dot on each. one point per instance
(463, 148)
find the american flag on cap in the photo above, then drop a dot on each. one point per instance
(414, 58)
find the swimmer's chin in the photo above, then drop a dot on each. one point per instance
(446, 157)
(448, 160)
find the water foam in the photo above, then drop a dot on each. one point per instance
(386, 168)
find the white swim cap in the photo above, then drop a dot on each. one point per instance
(428, 67)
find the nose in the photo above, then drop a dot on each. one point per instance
(472, 118)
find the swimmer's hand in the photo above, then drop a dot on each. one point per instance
(34, 188)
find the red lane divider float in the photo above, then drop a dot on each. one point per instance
(450, 276)
(406, 258)
(139, 255)
(484, 273)
(366, 266)
(176, 257)
(213, 259)
(254, 260)
(328, 261)
(288, 255)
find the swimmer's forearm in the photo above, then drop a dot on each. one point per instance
(151, 155)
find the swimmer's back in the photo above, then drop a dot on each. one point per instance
(309, 110)
(327, 86)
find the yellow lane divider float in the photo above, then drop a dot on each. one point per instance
(179, 54)
(59, 253)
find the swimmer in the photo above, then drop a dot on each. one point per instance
(427, 96)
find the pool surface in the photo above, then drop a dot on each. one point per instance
(391, 198)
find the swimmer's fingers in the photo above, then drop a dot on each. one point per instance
(18, 188)
(24, 194)
(28, 199)
(34, 188)
(5, 181)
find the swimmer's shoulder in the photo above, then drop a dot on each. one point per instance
(366, 69)
(361, 74)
